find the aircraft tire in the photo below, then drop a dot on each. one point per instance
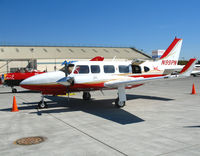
(42, 105)
(119, 104)
(86, 96)
(14, 90)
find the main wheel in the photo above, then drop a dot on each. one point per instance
(14, 90)
(86, 96)
(119, 104)
(42, 105)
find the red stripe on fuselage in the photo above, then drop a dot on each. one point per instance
(58, 89)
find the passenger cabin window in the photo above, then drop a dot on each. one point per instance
(109, 69)
(95, 69)
(81, 69)
(146, 69)
(136, 69)
(123, 69)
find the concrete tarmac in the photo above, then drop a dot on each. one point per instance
(160, 118)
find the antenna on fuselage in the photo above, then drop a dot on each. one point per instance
(114, 58)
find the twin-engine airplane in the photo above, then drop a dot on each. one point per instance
(94, 75)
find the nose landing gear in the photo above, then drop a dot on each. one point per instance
(42, 104)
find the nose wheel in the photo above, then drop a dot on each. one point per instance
(86, 96)
(42, 104)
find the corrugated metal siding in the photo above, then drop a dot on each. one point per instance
(31, 52)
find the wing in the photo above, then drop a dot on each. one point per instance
(135, 81)
(126, 81)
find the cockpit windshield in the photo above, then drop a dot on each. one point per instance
(81, 69)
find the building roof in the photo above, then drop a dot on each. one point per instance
(62, 52)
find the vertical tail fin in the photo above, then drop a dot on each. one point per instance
(171, 55)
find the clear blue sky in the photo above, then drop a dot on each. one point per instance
(144, 24)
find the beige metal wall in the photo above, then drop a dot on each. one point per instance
(50, 58)
(55, 64)
(4, 67)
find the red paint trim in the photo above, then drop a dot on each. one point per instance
(61, 90)
(188, 65)
(20, 76)
(97, 58)
(172, 45)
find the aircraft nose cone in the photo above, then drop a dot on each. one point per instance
(41, 79)
(26, 81)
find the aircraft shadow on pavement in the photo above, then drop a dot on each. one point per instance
(198, 126)
(19, 92)
(134, 96)
(103, 108)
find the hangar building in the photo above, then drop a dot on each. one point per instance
(50, 58)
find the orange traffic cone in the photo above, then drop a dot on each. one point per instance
(193, 89)
(14, 108)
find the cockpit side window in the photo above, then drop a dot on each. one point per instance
(146, 69)
(109, 69)
(123, 69)
(95, 69)
(81, 69)
(136, 69)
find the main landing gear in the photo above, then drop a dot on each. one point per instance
(42, 104)
(86, 96)
(121, 100)
(119, 104)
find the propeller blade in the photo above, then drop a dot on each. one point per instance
(66, 72)
(66, 81)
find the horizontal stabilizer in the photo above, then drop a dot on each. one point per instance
(187, 69)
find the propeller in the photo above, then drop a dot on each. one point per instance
(66, 72)
(66, 66)
(67, 80)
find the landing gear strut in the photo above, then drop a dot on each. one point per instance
(121, 100)
(86, 96)
(42, 104)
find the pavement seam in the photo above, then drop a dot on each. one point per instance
(170, 138)
(89, 135)
(178, 150)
